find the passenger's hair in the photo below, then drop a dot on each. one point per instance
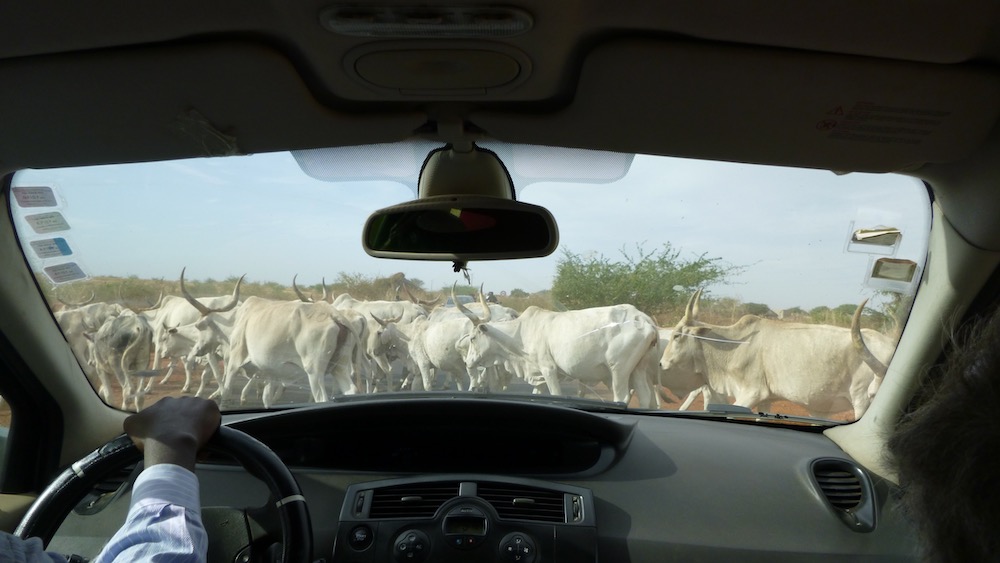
(946, 450)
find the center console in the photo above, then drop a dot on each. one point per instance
(466, 518)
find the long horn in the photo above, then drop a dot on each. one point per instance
(298, 291)
(867, 357)
(159, 302)
(87, 301)
(476, 321)
(409, 295)
(691, 311)
(325, 295)
(204, 310)
(488, 313)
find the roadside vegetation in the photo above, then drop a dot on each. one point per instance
(658, 281)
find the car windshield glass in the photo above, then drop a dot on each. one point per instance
(674, 278)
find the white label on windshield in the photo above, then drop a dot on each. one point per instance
(51, 247)
(47, 222)
(63, 273)
(41, 196)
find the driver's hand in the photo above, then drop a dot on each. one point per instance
(174, 429)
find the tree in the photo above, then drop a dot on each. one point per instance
(655, 281)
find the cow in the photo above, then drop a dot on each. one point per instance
(174, 312)
(121, 347)
(427, 346)
(402, 311)
(826, 369)
(79, 323)
(201, 339)
(280, 340)
(616, 344)
(708, 396)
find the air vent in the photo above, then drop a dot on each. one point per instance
(848, 490)
(842, 488)
(416, 500)
(519, 502)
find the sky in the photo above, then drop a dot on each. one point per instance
(262, 216)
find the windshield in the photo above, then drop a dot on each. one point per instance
(293, 311)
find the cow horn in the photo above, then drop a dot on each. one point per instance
(867, 357)
(159, 302)
(328, 297)
(476, 321)
(87, 301)
(205, 311)
(378, 320)
(409, 295)
(691, 311)
(298, 291)
(488, 313)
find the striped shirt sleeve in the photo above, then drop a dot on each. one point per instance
(164, 520)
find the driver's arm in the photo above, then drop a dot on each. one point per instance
(164, 518)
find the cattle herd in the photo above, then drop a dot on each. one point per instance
(258, 352)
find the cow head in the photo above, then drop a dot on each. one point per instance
(682, 366)
(480, 348)
(388, 340)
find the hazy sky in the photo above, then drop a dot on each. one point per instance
(261, 216)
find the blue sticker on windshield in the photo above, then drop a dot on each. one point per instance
(51, 247)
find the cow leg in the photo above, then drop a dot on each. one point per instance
(188, 367)
(643, 390)
(170, 371)
(551, 377)
(751, 398)
(691, 397)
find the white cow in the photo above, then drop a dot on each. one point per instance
(121, 348)
(280, 340)
(826, 369)
(174, 312)
(398, 311)
(709, 397)
(79, 323)
(616, 343)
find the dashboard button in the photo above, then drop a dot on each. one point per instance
(361, 538)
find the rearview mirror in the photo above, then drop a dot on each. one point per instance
(462, 228)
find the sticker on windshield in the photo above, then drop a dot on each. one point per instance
(51, 247)
(63, 273)
(34, 196)
(47, 222)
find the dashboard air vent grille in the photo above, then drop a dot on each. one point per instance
(841, 486)
(414, 500)
(519, 502)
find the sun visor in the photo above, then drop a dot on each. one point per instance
(401, 162)
(767, 106)
(188, 107)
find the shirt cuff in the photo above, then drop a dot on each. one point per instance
(167, 483)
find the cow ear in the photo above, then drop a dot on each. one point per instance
(482, 328)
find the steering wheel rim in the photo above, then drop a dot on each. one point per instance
(50, 509)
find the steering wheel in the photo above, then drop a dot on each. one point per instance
(54, 504)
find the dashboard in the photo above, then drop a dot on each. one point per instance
(488, 479)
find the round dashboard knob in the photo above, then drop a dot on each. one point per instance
(411, 545)
(517, 547)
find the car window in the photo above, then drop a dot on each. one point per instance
(695, 246)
